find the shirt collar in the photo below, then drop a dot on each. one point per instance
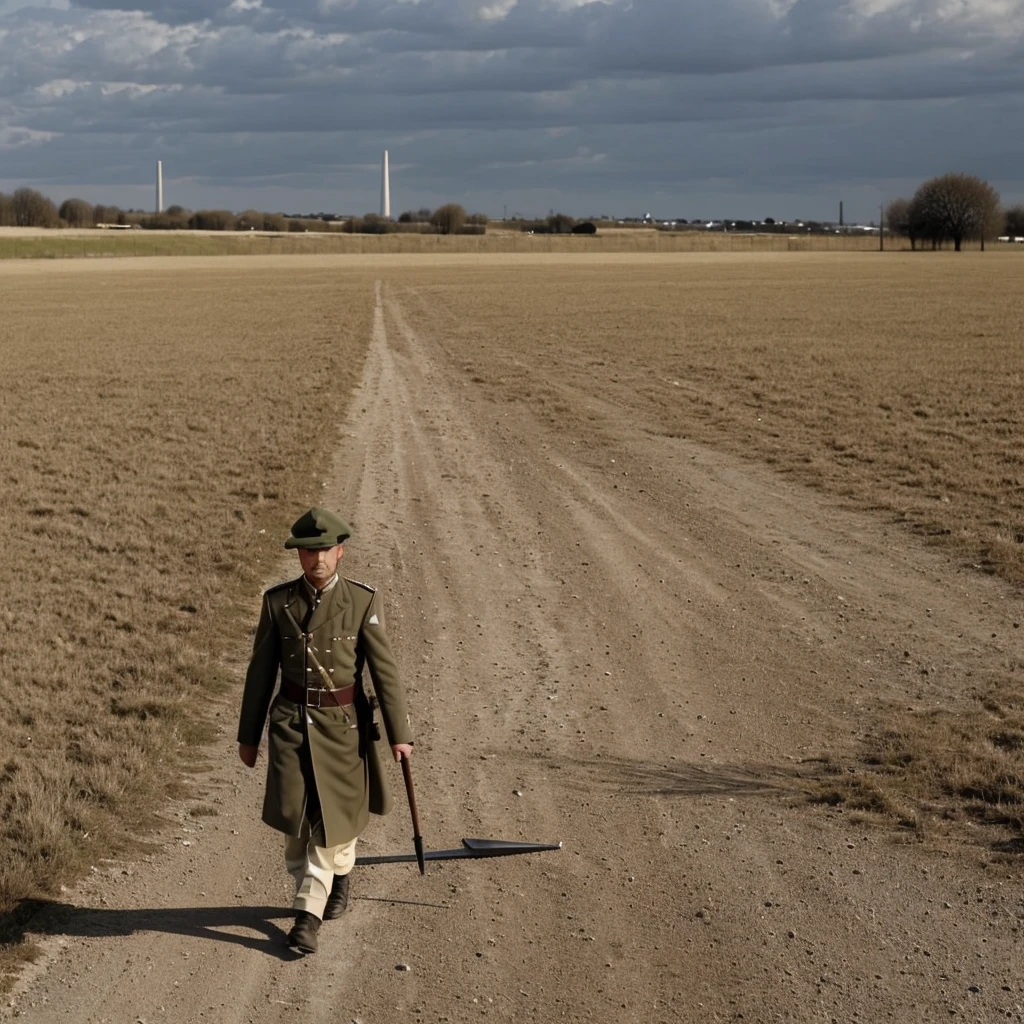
(311, 590)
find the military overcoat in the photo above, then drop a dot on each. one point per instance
(345, 634)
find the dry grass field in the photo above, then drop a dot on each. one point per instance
(153, 425)
(663, 685)
(892, 382)
(27, 243)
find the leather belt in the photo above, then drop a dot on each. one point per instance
(313, 697)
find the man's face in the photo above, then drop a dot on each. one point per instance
(320, 564)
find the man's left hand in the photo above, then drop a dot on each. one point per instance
(401, 750)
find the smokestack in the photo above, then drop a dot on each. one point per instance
(385, 188)
(159, 186)
(840, 213)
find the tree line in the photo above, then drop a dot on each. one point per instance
(28, 208)
(558, 224)
(953, 208)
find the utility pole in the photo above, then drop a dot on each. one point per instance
(881, 227)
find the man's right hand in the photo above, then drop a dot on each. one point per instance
(248, 754)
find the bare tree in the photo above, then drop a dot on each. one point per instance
(33, 210)
(955, 206)
(7, 211)
(172, 219)
(560, 224)
(176, 217)
(897, 219)
(109, 215)
(76, 213)
(250, 220)
(448, 219)
(1012, 225)
(415, 217)
(212, 220)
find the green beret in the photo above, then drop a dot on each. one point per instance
(318, 528)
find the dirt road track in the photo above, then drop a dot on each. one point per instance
(637, 647)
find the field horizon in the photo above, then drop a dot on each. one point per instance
(74, 243)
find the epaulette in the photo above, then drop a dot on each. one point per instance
(278, 586)
(359, 583)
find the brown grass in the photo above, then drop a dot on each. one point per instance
(892, 381)
(157, 417)
(159, 432)
(941, 762)
(20, 244)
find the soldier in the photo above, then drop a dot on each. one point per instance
(324, 774)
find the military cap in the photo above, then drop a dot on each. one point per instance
(318, 528)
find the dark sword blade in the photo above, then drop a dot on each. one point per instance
(470, 849)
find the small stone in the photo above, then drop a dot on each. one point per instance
(402, 967)
(973, 988)
(517, 792)
(791, 934)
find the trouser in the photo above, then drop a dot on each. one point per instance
(314, 867)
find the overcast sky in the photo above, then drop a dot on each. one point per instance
(680, 108)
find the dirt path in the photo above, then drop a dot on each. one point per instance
(639, 649)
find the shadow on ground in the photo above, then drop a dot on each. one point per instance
(646, 778)
(1015, 845)
(250, 927)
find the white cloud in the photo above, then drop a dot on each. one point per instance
(13, 138)
(497, 11)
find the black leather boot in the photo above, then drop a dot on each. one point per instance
(338, 899)
(303, 936)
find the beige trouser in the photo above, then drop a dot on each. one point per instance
(314, 867)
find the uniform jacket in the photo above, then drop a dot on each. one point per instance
(346, 633)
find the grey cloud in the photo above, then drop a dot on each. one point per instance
(665, 35)
(664, 94)
(440, 49)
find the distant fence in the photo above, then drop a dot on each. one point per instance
(56, 245)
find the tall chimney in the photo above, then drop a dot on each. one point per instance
(840, 213)
(159, 186)
(385, 188)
